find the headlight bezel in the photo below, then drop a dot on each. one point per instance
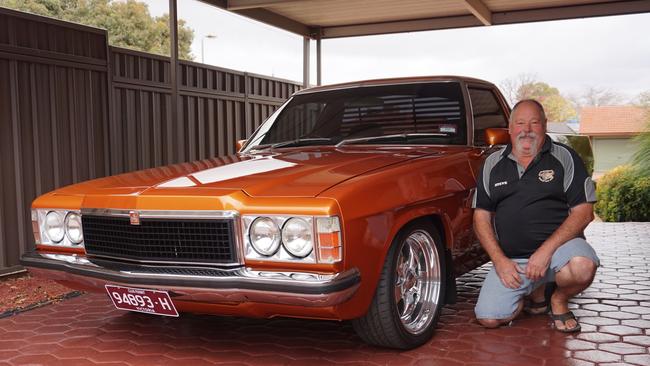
(41, 236)
(48, 226)
(314, 255)
(66, 226)
(275, 242)
(309, 246)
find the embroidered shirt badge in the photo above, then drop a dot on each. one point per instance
(546, 175)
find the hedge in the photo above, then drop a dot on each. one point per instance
(623, 195)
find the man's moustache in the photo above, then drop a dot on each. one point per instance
(524, 135)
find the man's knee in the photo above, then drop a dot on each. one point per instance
(581, 270)
(490, 323)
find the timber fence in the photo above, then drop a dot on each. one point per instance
(72, 108)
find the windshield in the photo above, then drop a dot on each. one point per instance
(433, 112)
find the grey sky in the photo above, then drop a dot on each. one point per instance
(607, 52)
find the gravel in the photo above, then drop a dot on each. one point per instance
(22, 292)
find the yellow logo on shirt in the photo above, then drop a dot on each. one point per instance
(546, 175)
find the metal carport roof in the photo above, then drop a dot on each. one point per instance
(323, 19)
(344, 18)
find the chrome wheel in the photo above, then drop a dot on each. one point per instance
(410, 292)
(418, 281)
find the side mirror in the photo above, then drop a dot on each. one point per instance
(497, 136)
(239, 144)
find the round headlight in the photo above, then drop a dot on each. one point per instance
(264, 235)
(54, 226)
(297, 237)
(73, 228)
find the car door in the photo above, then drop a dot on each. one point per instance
(488, 110)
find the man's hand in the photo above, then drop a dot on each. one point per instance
(508, 271)
(579, 217)
(538, 264)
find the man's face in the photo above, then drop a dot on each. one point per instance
(527, 130)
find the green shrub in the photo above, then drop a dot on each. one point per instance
(623, 195)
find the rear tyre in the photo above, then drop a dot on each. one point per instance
(410, 293)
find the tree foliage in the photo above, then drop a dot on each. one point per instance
(644, 99)
(129, 23)
(641, 159)
(593, 96)
(557, 108)
(510, 87)
(524, 86)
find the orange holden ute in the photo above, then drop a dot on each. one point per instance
(350, 202)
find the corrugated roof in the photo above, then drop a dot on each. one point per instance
(559, 127)
(612, 121)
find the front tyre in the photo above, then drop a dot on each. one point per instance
(410, 292)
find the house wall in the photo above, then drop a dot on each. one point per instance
(612, 152)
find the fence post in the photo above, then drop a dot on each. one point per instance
(173, 60)
(247, 119)
(109, 112)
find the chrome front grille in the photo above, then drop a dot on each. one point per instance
(161, 239)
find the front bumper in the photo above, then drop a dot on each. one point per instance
(199, 284)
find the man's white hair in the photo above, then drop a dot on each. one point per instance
(539, 105)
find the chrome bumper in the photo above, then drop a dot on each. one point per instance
(216, 286)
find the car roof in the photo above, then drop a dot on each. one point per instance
(391, 81)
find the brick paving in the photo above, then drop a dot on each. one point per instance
(614, 313)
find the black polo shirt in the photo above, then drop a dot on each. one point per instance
(530, 204)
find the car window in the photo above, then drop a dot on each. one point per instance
(420, 108)
(487, 113)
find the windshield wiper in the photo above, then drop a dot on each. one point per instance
(405, 136)
(291, 143)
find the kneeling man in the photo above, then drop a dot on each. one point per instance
(539, 198)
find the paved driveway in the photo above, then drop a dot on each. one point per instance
(614, 312)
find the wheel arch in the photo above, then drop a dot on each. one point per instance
(442, 224)
(375, 319)
(437, 217)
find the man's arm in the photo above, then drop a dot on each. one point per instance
(579, 217)
(507, 270)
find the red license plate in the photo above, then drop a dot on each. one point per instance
(142, 300)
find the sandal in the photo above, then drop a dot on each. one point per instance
(544, 306)
(564, 318)
(537, 308)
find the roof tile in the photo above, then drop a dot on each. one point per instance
(612, 121)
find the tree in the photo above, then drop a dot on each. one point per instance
(593, 96)
(128, 23)
(524, 86)
(641, 160)
(512, 87)
(643, 99)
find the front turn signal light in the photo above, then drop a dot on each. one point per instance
(330, 246)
